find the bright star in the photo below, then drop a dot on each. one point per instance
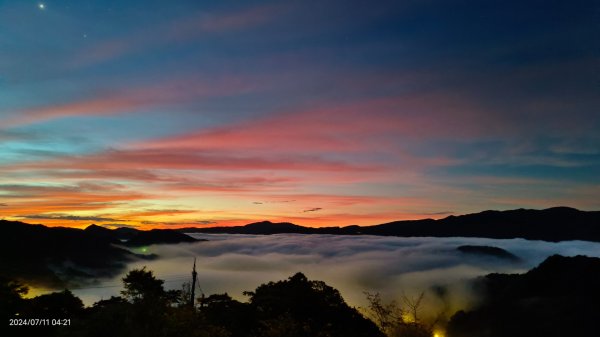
(41, 6)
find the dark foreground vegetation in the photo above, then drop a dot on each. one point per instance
(560, 297)
(294, 307)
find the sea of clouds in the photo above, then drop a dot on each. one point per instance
(392, 266)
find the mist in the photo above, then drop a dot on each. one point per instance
(392, 266)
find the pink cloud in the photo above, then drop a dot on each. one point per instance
(327, 129)
(359, 126)
(278, 157)
(172, 92)
(185, 160)
(287, 155)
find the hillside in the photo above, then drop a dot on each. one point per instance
(557, 298)
(552, 224)
(50, 255)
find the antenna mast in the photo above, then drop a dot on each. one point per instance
(194, 275)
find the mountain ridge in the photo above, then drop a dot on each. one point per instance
(51, 255)
(559, 297)
(552, 224)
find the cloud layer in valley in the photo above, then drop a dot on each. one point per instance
(353, 264)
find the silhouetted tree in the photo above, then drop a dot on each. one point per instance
(55, 305)
(296, 307)
(386, 316)
(398, 321)
(141, 285)
(306, 308)
(146, 310)
(11, 297)
(222, 311)
(12, 303)
(183, 298)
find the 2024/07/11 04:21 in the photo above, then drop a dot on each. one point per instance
(39, 322)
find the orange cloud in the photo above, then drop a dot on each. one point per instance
(51, 201)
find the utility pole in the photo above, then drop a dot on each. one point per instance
(194, 275)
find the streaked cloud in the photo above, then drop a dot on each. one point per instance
(128, 100)
(174, 114)
(181, 30)
(67, 217)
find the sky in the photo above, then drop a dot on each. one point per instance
(166, 114)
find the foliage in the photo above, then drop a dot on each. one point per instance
(308, 308)
(296, 307)
(55, 305)
(141, 285)
(396, 320)
(233, 316)
(11, 301)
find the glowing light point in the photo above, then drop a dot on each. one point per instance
(42, 6)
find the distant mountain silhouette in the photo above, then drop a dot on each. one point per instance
(558, 298)
(134, 238)
(552, 224)
(488, 251)
(49, 255)
(268, 227)
(263, 227)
